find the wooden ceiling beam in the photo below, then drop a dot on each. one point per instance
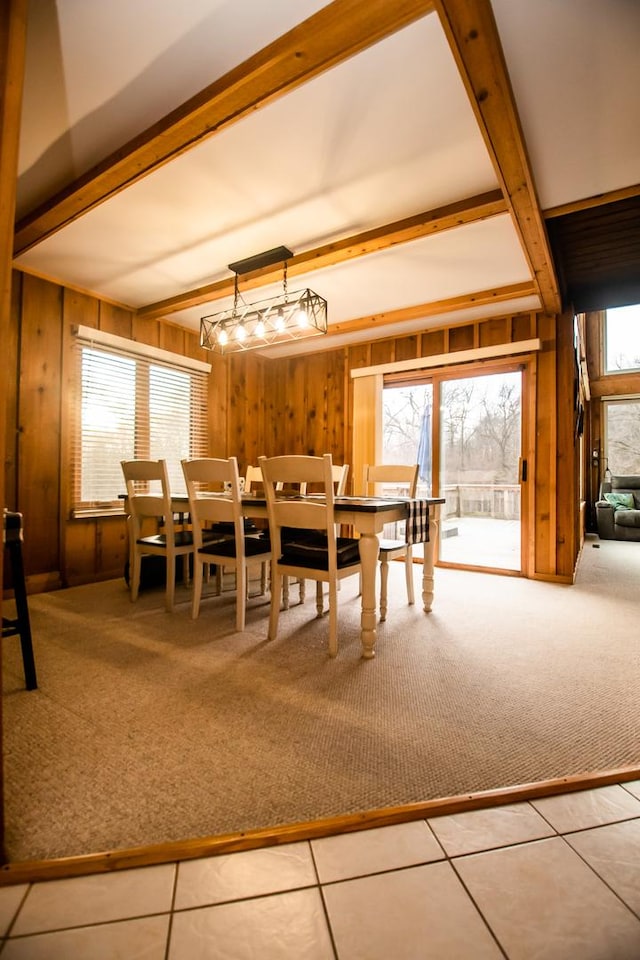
(588, 203)
(332, 35)
(480, 298)
(420, 225)
(471, 31)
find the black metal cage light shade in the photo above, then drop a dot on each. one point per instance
(263, 323)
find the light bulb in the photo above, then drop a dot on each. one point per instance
(302, 318)
(241, 333)
(279, 321)
(223, 336)
(259, 328)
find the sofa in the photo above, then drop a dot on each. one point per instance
(618, 509)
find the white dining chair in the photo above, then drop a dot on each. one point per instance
(149, 500)
(340, 475)
(318, 553)
(404, 479)
(209, 504)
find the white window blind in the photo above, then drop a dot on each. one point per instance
(132, 406)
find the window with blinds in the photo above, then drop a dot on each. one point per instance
(132, 406)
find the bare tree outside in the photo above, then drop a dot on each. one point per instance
(622, 339)
(480, 430)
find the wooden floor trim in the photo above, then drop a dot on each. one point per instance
(38, 870)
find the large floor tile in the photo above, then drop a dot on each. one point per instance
(279, 927)
(99, 898)
(144, 939)
(614, 853)
(588, 808)
(421, 913)
(372, 851)
(247, 874)
(542, 901)
(10, 900)
(633, 786)
(477, 830)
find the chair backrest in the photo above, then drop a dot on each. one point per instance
(252, 478)
(314, 513)
(213, 487)
(390, 474)
(148, 492)
(340, 475)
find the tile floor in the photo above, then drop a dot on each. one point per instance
(556, 878)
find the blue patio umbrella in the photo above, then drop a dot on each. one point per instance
(424, 446)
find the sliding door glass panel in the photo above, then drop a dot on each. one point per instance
(407, 438)
(480, 444)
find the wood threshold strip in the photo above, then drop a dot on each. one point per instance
(471, 31)
(416, 227)
(107, 862)
(327, 38)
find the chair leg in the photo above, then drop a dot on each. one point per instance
(333, 618)
(171, 582)
(285, 593)
(242, 583)
(409, 574)
(135, 572)
(197, 586)
(274, 613)
(384, 576)
(302, 590)
(319, 598)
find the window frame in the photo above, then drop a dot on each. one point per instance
(607, 370)
(145, 358)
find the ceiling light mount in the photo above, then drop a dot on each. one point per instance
(262, 323)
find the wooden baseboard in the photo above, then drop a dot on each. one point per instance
(106, 862)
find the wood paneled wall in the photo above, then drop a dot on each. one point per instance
(256, 406)
(58, 550)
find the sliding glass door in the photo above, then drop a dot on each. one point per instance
(480, 449)
(466, 434)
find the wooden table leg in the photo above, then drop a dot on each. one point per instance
(427, 568)
(369, 552)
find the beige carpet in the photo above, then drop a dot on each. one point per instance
(149, 727)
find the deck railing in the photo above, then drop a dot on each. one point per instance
(496, 501)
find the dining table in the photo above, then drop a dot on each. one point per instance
(368, 516)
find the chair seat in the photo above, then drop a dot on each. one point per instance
(311, 551)
(182, 538)
(221, 526)
(253, 547)
(388, 546)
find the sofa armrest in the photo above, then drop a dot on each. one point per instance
(604, 518)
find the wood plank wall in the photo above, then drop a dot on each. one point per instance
(256, 406)
(60, 551)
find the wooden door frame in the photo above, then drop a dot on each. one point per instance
(527, 366)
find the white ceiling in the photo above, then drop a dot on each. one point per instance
(384, 135)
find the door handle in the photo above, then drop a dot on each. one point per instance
(523, 470)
